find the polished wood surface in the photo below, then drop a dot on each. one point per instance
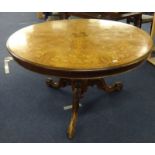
(80, 44)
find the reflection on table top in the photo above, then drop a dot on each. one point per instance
(80, 44)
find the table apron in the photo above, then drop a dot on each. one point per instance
(80, 74)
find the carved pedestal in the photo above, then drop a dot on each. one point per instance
(79, 87)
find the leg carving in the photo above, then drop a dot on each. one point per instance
(101, 84)
(72, 124)
(61, 83)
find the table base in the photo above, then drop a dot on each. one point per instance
(79, 87)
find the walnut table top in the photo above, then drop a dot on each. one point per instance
(79, 45)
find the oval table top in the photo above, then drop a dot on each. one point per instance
(79, 47)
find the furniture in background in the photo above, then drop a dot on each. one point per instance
(40, 15)
(147, 17)
(81, 52)
(135, 16)
(47, 15)
(151, 58)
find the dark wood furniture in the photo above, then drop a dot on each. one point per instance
(80, 52)
(135, 17)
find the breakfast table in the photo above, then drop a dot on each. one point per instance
(80, 52)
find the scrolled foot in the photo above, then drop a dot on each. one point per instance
(56, 85)
(118, 86)
(108, 88)
(52, 84)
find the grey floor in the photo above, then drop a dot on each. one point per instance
(32, 112)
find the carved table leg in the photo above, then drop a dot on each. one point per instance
(75, 106)
(79, 87)
(101, 84)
